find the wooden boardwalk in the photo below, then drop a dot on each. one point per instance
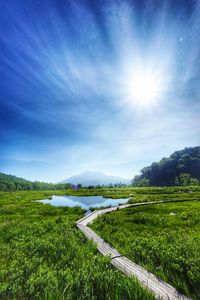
(161, 289)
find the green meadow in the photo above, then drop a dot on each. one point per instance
(44, 256)
(163, 238)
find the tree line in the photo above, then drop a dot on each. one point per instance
(181, 168)
(13, 183)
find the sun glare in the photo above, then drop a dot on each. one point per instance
(144, 88)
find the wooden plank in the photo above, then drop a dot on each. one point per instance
(161, 289)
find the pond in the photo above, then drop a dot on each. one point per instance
(85, 202)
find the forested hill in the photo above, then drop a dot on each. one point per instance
(181, 168)
(12, 183)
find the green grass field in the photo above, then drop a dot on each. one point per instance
(163, 238)
(44, 256)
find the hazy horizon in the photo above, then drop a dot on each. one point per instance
(91, 170)
(108, 86)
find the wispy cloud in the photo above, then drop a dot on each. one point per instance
(67, 69)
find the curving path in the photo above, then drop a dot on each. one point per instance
(161, 289)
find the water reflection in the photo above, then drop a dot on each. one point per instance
(84, 202)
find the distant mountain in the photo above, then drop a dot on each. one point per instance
(167, 171)
(95, 178)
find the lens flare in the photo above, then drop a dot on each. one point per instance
(144, 88)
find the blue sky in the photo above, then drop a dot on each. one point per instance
(70, 97)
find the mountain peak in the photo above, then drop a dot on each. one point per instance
(87, 178)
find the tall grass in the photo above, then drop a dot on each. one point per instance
(44, 256)
(163, 238)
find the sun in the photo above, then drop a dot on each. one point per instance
(143, 87)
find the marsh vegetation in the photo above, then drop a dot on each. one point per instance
(163, 238)
(44, 256)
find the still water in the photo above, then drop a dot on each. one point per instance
(84, 202)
